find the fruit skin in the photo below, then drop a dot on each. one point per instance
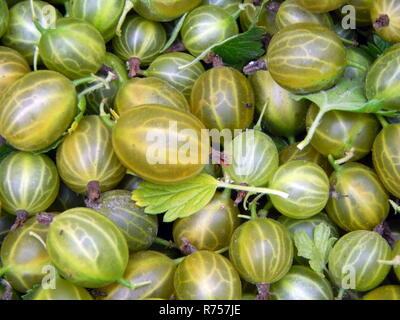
(358, 57)
(261, 251)
(135, 143)
(205, 26)
(74, 48)
(341, 132)
(87, 155)
(357, 253)
(139, 229)
(388, 292)
(230, 6)
(291, 12)
(361, 202)
(166, 67)
(64, 290)
(396, 252)
(205, 275)
(145, 266)
(142, 91)
(41, 122)
(386, 158)
(95, 98)
(321, 6)
(102, 14)
(253, 158)
(141, 38)
(6, 222)
(391, 8)
(307, 185)
(293, 71)
(212, 227)
(283, 116)
(4, 17)
(87, 248)
(25, 256)
(22, 35)
(164, 10)
(309, 153)
(363, 8)
(13, 66)
(28, 182)
(381, 80)
(222, 98)
(266, 21)
(302, 283)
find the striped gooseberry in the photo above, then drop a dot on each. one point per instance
(143, 91)
(104, 15)
(229, 5)
(4, 17)
(261, 251)
(363, 11)
(321, 6)
(164, 10)
(360, 201)
(139, 229)
(74, 48)
(302, 283)
(307, 185)
(137, 137)
(51, 107)
(362, 62)
(145, 266)
(22, 34)
(63, 290)
(386, 158)
(166, 67)
(381, 80)
(283, 116)
(206, 275)
(205, 26)
(266, 19)
(212, 227)
(342, 133)
(222, 98)
(103, 258)
(13, 66)
(140, 42)
(24, 255)
(357, 254)
(385, 19)
(291, 12)
(292, 152)
(303, 73)
(28, 183)
(87, 155)
(387, 292)
(253, 158)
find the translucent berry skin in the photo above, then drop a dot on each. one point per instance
(390, 8)
(321, 6)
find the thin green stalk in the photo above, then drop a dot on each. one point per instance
(243, 216)
(175, 33)
(259, 122)
(253, 189)
(131, 285)
(226, 194)
(311, 130)
(254, 211)
(128, 7)
(333, 163)
(105, 117)
(39, 26)
(382, 120)
(179, 260)
(341, 294)
(223, 250)
(356, 65)
(395, 206)
(346, 41)
(165, 243)
(35, 58)
(292, 140)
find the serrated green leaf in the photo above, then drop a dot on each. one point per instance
(242, 48)
(176, 200)
(316, 250)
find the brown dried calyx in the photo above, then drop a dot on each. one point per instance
(22, 216)
(215, 59)
(254, 66)
(134, 67)
(187, 248)
(177, 46)
(93, 194)
(273, 6)
(263, 291)
(382, 22)
(45, 218)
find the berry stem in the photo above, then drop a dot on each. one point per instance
(254, 211)
(105, 117)
(253, 189)
(133, 286)
(395, 206)
(382, 120)
(221, 251)
(311, 130)
(259, 122)
(35, 58)
(263, 291)
(341, 294)
(165, 243)
(243, 216)
(334, 164)
(128, 7)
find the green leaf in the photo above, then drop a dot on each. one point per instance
(176, 200)
(242, 48)
(29, 294)
(316, 250)
(377, 46)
